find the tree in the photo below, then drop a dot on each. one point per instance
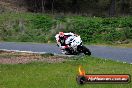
(84, 7)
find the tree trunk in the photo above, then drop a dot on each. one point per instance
(43, 6)
(123, 7)
(52, 9)
(112, 8)
(74, 4)
(35, 5)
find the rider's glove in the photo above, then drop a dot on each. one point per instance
(63, 47)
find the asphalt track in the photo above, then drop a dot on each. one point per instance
(117, 54)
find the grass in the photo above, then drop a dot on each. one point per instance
(60, 75)
(129, 45)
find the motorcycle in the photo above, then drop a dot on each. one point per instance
(76, 46)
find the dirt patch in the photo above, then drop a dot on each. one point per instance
(11, 57)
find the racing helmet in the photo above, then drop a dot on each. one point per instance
(61, 34)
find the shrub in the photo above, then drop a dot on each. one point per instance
(42, 22)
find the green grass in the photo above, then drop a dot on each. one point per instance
(60, 75)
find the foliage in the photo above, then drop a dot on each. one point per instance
(41, 22)
(102, 29)
(27, 27)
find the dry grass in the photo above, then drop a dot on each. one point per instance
(8, 6)
(11, 57)
(129, 45)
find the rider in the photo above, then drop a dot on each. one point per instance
(61, 38)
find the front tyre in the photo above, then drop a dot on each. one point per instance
(84, 50)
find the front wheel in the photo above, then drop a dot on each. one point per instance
(84, 50)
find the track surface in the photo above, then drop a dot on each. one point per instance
(117, 54)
